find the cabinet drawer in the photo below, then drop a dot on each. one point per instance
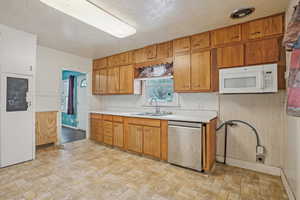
(96, 116)
(117, 118)
(107, 117)
(107, 128)
(144, 122)
(108, 140)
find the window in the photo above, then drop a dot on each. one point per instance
(162, 90)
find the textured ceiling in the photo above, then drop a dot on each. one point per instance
(155, 21)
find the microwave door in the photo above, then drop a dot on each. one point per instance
(250, 82)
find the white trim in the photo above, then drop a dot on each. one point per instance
(276, 171)
(287, 186)
(67, 126)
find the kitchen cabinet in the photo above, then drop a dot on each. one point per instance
(182, 72)
(135, 138)
(200, 41)
(96, 128)
(164, 50)
(140, 56)
(230, 56)
(181, 46)
(100, 63)
(152, 141)
(262, 51)
(126, 79)
(118, 132)
(96, 82)
(113, 80)
(45, 128)
(125, 58)
(107, 132)
(99, 85)
(264, 27)
(201, 71)
(151, 52)
(226, 35)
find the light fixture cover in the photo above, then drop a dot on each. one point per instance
(89, 13)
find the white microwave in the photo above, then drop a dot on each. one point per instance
(253, 79)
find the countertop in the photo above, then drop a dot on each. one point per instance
(204, 117)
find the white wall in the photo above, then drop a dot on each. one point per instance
(82, 104)
(50, 64)
(291, 165)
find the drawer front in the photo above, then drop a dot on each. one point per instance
(108, 140)
(96, 116)
(107, 117)
(144, 122)
(117, 119)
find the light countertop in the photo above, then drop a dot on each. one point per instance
(204, 117)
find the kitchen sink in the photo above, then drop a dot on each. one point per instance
(154, 113)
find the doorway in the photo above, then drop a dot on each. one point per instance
(74, 106)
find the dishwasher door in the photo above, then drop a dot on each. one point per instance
(185, 145)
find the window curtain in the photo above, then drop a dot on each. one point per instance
(292, 43)
(70, 110)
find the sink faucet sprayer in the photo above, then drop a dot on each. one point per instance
(157, 108)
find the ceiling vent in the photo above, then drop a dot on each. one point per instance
(242, 12)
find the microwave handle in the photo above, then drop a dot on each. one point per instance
(262, 80)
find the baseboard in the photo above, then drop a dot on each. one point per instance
(276, 171)
(287, 186)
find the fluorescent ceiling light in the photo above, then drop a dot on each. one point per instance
(89, 13)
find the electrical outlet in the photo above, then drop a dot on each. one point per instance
(260, 158)
(260, 150)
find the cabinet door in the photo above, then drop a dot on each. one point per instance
(226, 35)
(273, 25)
(254, 29)
(151, 52)
(230, 56)
(96, 82)
(200, 71)
(152, 141)
(107, 132)
(113, 82)
(126, 79)
(96, 130)
(102, 85)
(182, 72)
(200, 41)
(135, 138)
(264, 51)
(140, 55)
(118, 133)
(181, 46)
(100, 63)
(164, 50)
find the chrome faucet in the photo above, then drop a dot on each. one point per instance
(157, 108)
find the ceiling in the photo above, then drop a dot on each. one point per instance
(155, 21)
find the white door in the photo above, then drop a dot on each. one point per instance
(82, 105)
(17, 142)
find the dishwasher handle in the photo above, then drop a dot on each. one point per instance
(185, 124)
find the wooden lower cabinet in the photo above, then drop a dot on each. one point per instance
(46, 127)
(147, 136)
(118, 130)
(135, 138)
(152, 141)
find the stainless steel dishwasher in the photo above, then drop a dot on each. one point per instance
(185, 144)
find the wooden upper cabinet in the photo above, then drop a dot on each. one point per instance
(126, 79)
(96, 82)
(201, 71)
(152, 141)
(100, 63)
(182, 73)
(102, 87)
(135, 138)
(263, 51)
(118, 131)
(181, 46)
(263, 27)
(230, 56)
(164, 50)
(200, 41)
(151, 52)
(140, 55)
(226, 35)
(125, 58)
(113, 80)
